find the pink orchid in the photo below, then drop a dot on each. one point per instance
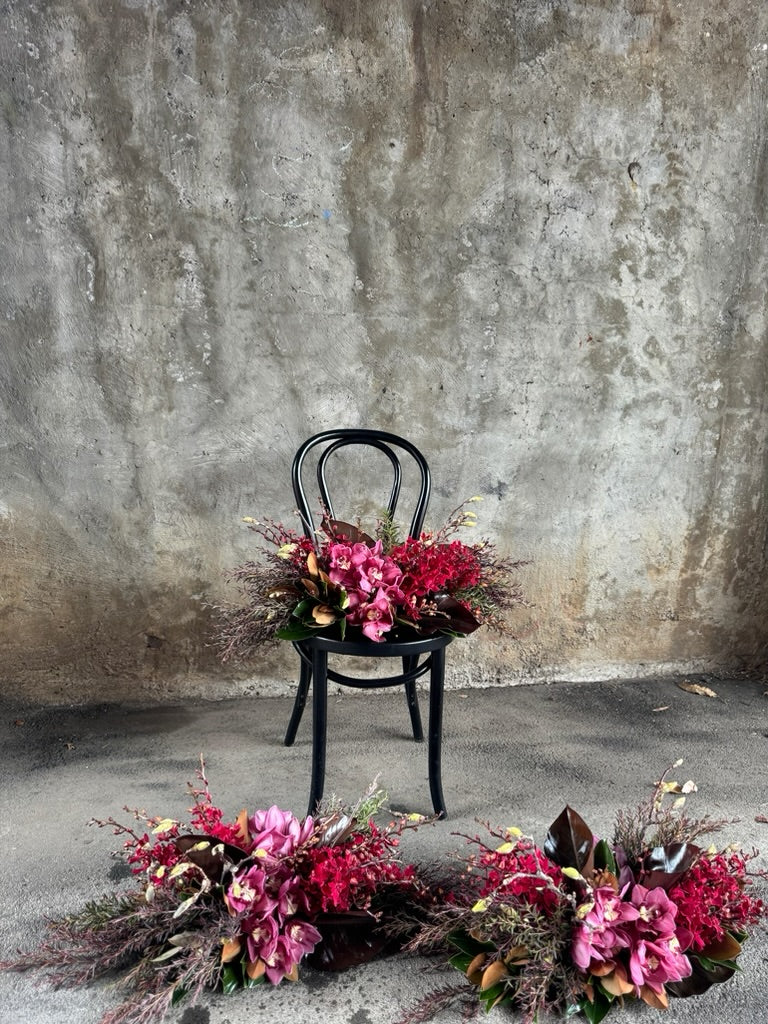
(278, 833)
(655, 963)
(656, 912)
(261, 937)
(376, 617)
(247, 893)
(603, 928)
(299, 938)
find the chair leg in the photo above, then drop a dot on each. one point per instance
(319, 724)
(305, 675)
(436, 682)
(409, 664)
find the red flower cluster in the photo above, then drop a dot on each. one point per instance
(711, 901)
(432, 568)
(523, 871)
(352, 874)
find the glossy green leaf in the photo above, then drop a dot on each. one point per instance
(231, 979)
(604, 859)
(461, 961)
(297, 632)
(595, 1010)
(465, 942)
(178, 994)
(490, 997)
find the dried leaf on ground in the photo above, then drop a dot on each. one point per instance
(702, 691)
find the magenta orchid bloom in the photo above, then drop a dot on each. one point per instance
(376, 617)
(247, 893)
(261, 938)
(299, 938)
(655, 963)
(278, 833)
(656, 913)
(603, 928)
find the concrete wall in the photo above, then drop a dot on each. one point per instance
(529, 234)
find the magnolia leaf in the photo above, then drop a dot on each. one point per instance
(323, 615)
(230, 979)
(569, 841)
(348, 940)
(184, 906)
(293, 974)
(339, 531)
(297, 632)
(492, 996)
(255, 969)
(475, 968)
(460, 961)
(338, 830)
(727, 948)
(595, 1009)
(469, 944)
(658, 1000)
(284, 590)
(210, 861)
(311, 588)
(604, 858)
(178, 994)
(600, 969)
(702, 977)
(230, 949)
(493, 974)
(616, 983)
(459, 617)
(185, 939)
(665, 865)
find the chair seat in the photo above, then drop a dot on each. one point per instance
(369, 649)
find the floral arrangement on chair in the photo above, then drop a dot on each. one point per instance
(377, 587)
(583, 924)
(233, 904)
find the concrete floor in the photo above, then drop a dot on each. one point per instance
(512, 756)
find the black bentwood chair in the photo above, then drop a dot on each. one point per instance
(314, 651)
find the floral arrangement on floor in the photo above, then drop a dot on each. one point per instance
(231, 905)
(577, 926)
(376, 587)
(583, 924)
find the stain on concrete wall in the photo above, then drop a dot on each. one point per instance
(529, 236)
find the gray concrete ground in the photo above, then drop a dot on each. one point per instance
(513, 756)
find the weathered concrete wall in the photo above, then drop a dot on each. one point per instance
(529, 234)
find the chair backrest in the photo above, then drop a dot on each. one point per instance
(329, 442)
